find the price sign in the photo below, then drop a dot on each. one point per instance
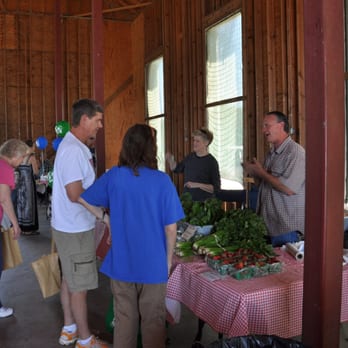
(189, 232)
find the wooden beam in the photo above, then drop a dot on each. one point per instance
(58, 63)
(115, 9)
(98, 75)
(325, 148)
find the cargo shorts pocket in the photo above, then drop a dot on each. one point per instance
(84, 270)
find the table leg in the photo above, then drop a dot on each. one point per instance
(199, 334)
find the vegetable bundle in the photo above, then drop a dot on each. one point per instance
(232, 230)
(244, 229)
(201, 213)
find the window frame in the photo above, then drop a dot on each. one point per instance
(160, 149)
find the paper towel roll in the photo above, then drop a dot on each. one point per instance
(292, 250)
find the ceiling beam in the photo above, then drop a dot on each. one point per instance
(115, 9)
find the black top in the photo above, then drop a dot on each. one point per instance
(203, 169)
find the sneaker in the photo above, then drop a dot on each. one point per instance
(67, 338)
(93, 343)
(5, 312)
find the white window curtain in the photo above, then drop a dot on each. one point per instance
(155, 105)
(224, 89)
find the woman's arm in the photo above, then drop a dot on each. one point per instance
(171, 240)
(34, 164)
(98, 212)
(205, 187)
(171, 161)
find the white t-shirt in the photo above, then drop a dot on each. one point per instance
(73, 162)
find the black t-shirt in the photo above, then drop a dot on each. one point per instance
(204, 170)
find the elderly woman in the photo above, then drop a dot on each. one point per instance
(12, 153)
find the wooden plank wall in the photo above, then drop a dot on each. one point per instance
(273, 63)
(27, 80)
(184, 91)
(124, 83)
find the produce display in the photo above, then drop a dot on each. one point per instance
(244, 263)
(236, 245)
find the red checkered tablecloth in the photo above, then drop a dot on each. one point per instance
(270, 305)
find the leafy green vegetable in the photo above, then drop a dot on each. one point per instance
(241, 228)
(201, 213)
(244, 229)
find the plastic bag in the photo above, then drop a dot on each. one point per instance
(257, 341)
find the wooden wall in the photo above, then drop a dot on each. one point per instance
(273, 66)
(124, 83)
(26, 76)
(27, 69)
(273, 63)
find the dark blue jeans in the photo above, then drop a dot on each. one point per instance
(290, 237)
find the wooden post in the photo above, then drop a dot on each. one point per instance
(58, 63)
(324, 96)
(98, 76)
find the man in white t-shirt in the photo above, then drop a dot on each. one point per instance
(73, 225)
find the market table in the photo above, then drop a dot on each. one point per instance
(266, 305)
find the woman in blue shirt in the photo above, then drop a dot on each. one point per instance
(144, 208)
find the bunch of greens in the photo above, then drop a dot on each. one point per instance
(201, 213)
(244, 229)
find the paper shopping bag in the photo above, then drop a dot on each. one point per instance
(47, 272)
(12, 256)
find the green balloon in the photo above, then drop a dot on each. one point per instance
(61, 128)
(50, 178)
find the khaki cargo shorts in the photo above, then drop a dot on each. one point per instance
(78, 260)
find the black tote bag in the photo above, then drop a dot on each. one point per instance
(26, 200)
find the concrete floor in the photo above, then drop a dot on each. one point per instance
(38, 321)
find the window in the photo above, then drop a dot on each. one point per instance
(155, 105)
(224, 98)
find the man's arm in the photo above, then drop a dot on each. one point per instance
(74, 190)
(255, 169)
(275, 182)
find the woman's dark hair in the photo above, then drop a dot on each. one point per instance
(87, 107)
(281, 118)
(139, 148)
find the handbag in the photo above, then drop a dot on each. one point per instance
(26, 200)
(12, 256)
(47, 273)
(101, 239)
